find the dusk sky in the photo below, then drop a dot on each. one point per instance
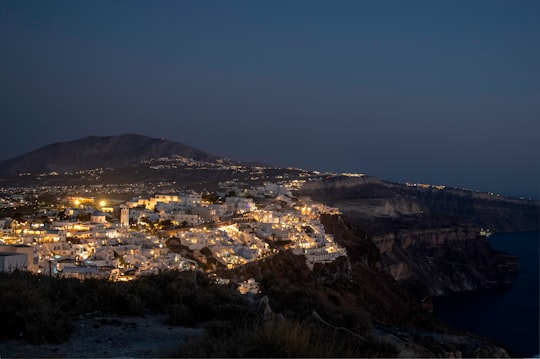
(440, 92)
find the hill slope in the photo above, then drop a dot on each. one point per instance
(95, 152)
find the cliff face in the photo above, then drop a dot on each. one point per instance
(499, 214)
(428, 238)
(370, 199)
(444, 260)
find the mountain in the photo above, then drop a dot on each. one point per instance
(100, 152)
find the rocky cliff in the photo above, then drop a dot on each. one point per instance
(429, 238)
(444, 260)
(372, 199)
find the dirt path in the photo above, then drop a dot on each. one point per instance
(100, 336)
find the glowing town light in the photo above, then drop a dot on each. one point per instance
(102, 203)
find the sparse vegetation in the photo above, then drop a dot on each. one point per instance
(40, 309)
(283, 339)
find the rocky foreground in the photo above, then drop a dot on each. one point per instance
(109, 336)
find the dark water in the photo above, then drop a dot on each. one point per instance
(510, 316)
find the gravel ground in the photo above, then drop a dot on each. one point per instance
(100, 336)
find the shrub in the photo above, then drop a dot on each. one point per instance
(181, 314)
(29, 314)
(302, 339)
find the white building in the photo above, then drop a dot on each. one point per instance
(99, 217)
(208, 214)
(124, 216)
(10, 261)
(240, 204)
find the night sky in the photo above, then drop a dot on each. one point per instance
(440, 92)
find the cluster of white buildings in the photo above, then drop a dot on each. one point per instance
(87, 248)
(186, 209)
(240, 229)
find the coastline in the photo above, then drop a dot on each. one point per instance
(508, 315)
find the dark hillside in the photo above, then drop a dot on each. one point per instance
(99, 152)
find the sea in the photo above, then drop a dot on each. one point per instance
(510, 316)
